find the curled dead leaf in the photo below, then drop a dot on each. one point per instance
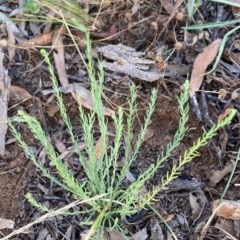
(218, 175)
(19, 94)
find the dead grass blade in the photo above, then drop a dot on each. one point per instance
(200, 65)
(50, 214)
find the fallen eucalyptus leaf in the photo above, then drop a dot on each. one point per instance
(200, 65)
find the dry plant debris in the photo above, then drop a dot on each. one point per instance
(127, 60)
(218, 175)
(227, 209)
(6, 223)
(5, 84)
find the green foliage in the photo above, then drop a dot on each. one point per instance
(102, 174)
(66, 9)
(231, 3)
(192, 6)
(192, 152)
(36, 204)
(32, 7)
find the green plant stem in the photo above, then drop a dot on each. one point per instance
(99, 218)
(193, 151)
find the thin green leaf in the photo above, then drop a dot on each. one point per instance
(212, 25)
(234, 4)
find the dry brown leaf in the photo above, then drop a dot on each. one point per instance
(6, 223)
(167, 5)
(41, 40)
(169, 217)
(59, 58)
(52, 110)
(99, 147)
(112, 33)
(141, 234)
(19, 94)
(86, 99)
(200, 65)
(112, 234)
(5, 83)
(218, 175)
(11, 42)
(84, 94)
(227, 209)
